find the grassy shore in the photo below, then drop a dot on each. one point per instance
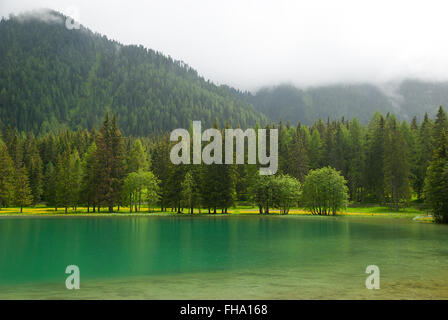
(411, 213)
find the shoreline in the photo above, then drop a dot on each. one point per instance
(295, 213)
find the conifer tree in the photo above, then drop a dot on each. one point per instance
(356, 161)
(22, 190)
(299, 161)
(425, 151)
(436, 183)
(374, 158)
(396, 164)
(89, 179)
(137, 159)
(440, 123)
(109, 164)
(6, 176)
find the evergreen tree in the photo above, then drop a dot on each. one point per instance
(6, 176)
(315, 150)
(396, 164)
(441, 123)
(436, 183)
(374, 178)
(356, 161)
(109, 164)
(138, 159)
(75, 180)
(161, 167)
(22, 191)
(88, 194)
(50, 183)
(63, 183)
(190, 195)
(298, 161)
(425, 150)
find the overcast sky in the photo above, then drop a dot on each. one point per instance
(252, 43)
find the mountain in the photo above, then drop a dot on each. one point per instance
(53, 77)
(406, 99)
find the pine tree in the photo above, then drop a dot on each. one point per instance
(374, 178)
(75, 176)
(89, 179)
(137, 159)
(425, 150)
(441, 123)
(50, 182)
(109, 164)
(190, 195)
(396, 164)
(161, 168)
(63, 191)
(6, 176)
(33, 163)
(22, 190)
(298, 160)
(315, 150)
(436, 183)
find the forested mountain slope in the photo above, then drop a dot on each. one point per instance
(51, 77)
(406, 99)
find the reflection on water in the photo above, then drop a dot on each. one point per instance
(230, 257)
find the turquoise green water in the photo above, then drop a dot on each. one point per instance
(223, 257)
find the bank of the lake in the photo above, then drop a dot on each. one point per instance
(370, 211)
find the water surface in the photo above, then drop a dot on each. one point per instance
(222, 257)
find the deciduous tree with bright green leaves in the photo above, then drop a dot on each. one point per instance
(325, 191)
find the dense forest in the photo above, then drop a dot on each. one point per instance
(406, 99)
(56, 85)
(52, 77)
(384, 162)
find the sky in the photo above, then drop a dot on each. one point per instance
(253, 43)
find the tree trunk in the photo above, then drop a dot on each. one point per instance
(111, 209)
(21, 209)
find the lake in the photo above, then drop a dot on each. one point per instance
(222, 257)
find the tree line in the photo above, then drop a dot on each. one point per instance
(385, 162)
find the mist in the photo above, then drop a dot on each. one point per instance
(255, 43)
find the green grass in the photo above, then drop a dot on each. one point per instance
(378, 209)
(41, 210)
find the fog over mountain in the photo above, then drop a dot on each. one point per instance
(254, 43)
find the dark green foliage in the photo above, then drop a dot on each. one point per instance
(436, 183)
(351, 100)
(396, 164)
(52, 78)
(22, 190)
(6, 176)
(109, 164)
(383, 162)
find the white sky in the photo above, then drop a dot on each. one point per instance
(252, 43)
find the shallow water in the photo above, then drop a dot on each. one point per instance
(222, 257)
